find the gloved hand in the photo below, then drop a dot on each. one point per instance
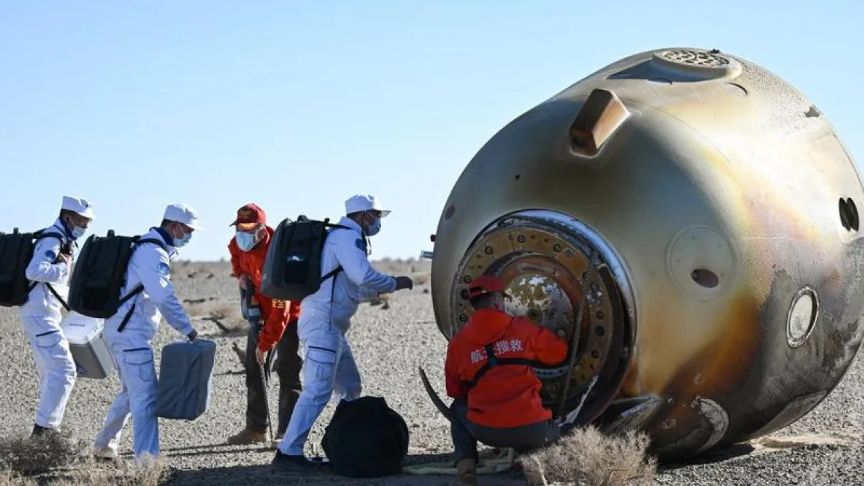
(192, 335)
(404, 283)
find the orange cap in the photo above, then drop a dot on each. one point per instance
(250, 213)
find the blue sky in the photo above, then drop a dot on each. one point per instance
(297, 105)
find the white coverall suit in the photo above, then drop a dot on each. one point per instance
(131, 349)
(41, 318)
(324, 320)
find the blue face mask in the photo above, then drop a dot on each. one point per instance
(74, 231)
(245, 241)
(374, 228)
(181, 242)
(78, 232)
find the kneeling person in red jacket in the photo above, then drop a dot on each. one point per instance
(496, 402)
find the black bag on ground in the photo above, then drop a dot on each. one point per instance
(100, 273)
(16, 251)
(292, 268)
(366, 439)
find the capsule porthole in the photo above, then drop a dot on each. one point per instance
(802, 316)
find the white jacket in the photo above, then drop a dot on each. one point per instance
(43, 269)
(150, 266)
(356, 282)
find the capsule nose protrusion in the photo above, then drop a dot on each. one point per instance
(602, 114)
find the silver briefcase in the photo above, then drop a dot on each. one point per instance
(89, 350)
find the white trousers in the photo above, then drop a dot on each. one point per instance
(329, 367)
(140, 389)
(55, 366)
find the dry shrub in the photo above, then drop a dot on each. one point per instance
(130, 473)
(32, 456)
(223, 310)
(420, 278)
(214, 308)
(59, 459)
(586, 457)
(10, 478)
(225, 314)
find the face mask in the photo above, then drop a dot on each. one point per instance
(181, 242)
(245, 241)
(75, 231)
(374, 228)
(78, 232)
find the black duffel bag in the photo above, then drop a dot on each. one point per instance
(366, 439)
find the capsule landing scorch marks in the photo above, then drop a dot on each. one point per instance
(698, 217)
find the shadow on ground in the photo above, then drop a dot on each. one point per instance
(261, 474)
(733, 451)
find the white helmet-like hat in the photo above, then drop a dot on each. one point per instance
(182, 213)
(78, 206)
(364, 202)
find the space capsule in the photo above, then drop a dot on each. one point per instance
(690, 221)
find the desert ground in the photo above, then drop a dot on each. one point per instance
(390, 341)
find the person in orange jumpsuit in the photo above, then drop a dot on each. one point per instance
(273, 324)
(489, 374)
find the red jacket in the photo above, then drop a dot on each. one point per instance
(507, 395)
(277, 314)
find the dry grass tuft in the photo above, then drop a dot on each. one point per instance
(421, 278)
(214, 308)
(61, 460)
(230, 312)
(32, 456)
(225, 315)
(10, 478)
(130, 473)
(586, 457)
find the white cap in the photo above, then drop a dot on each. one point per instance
(182, 213)
(363, 202)
(78, 206)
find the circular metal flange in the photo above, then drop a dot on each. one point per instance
(803, 313)
(692, 57)
(551, 269)
(697, 64)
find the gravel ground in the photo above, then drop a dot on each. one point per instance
(826, 447)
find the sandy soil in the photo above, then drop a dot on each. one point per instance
(826, 447)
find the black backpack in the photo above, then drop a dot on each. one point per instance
(366, 439)
(16, 251)
(292, 268)
(100, 274)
